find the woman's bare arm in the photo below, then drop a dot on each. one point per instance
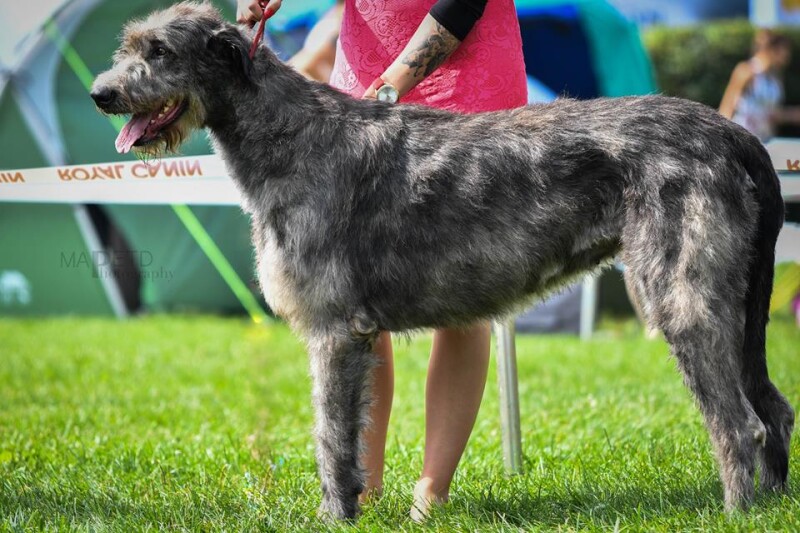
(429, 47)
(315, 60)
(741, 77)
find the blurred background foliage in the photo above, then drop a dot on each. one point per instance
(696, 62)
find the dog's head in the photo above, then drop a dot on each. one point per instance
(164, 75)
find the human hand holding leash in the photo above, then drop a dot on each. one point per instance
(250, 11)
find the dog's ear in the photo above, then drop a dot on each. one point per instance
(229, 46)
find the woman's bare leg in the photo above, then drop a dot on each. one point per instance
(375, 436)
(456, 379)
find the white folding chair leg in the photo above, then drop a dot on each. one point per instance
(509, 395)
(588, 306)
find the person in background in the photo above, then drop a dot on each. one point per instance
(315, 59)
(754, 96)
(460, 55)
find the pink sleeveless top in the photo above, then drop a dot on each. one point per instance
(485, 73)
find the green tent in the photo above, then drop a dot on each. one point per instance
(64, 128)
(584, 48)
(45, 250)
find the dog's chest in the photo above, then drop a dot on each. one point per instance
(276, 283)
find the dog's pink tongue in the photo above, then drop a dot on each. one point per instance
(132, 132)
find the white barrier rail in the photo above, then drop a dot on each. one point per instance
(200, 180)
(203, 180)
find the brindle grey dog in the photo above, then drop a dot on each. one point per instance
(370, 217)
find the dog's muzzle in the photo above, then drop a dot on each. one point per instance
(104, 97)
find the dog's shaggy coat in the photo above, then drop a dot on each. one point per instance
(370, 217)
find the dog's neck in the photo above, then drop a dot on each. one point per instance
(264, 126)
(266, 92)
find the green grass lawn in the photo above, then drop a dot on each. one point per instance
(202, 423)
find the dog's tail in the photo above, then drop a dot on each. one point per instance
(759, 167)
(770, 406)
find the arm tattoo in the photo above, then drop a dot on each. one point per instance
(432, 53)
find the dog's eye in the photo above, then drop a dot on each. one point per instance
(159, 51)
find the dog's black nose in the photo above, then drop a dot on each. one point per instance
(104, 96)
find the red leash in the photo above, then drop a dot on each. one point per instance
(261, 26)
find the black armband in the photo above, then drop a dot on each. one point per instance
(458, 16)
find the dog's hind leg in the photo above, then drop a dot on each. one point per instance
(341, 366)
(686, 257)
(705, 330)
(640, 305)
(707, 356)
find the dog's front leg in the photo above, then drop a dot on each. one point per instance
(341, 366)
